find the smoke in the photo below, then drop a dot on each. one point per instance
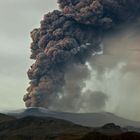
(66, 49)
(117, 72)
(93, 101)
(70, 97)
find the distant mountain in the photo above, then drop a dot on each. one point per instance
(85, 119)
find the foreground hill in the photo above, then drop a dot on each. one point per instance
(85, 119)
(4, 118)
(100, 136)
(30, 128)
(48, 128)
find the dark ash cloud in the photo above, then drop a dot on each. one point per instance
(67, 37)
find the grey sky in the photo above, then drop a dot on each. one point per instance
(18, 18)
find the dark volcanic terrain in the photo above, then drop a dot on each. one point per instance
(31, 127)
(84, 119)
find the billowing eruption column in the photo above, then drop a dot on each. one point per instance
(68, 37)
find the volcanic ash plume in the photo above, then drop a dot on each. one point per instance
(65, 42)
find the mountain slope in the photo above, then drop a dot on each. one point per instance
(85, 119)
(47, 128)
(40, 128)
(4, 118)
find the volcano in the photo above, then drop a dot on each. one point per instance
(42, 124)
(84, 119)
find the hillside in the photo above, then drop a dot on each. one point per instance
(48, 128)
(4, 118)
(85, 119)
